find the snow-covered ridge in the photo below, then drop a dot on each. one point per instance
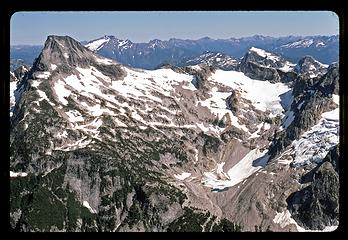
(298, 44)
(264, 54)
(97, 44)
(286, 65)
(213, 58)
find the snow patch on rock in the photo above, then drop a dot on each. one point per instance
(182, 176)
(18, 174)
(86, 204)
(251, 163)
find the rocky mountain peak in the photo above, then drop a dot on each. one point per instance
(263, 57)
(310, 67)
(63, 52)
(260, 64)
(54, 43)
(109, 37)
(205, 39)
(307, 59)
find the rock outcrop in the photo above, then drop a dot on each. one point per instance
(262, 65)
(317, 205)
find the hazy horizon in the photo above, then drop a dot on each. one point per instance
(145, 26)
(181, 38)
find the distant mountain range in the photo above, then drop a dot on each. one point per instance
(177, 51)
(23, 55)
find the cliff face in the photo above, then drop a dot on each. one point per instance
(317, 205)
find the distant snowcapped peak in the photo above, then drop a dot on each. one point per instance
(264, 54)
(300, 44)
(95, 45)
(260, 52)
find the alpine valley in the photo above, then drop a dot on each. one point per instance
(208, 141)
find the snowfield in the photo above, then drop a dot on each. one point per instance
(145, 83)
(61, 92)
(263, 94)
(276, 97)
(288, 67)
(251, 163)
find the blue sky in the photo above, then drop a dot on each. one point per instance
(34, 27)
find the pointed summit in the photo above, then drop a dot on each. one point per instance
(63, 55)
(260, 64)
(62, 50)
(263, 58)
(96, 44)
(311, 67)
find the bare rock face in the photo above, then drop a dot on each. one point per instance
(62, 54)
(287, 76)
(20, 72)
(200, 75)
(329, 82)
(256, 71)
(214, 59)
(262, 65)
(232, 102)
(312, 97)
(317, 205)
(310, 67)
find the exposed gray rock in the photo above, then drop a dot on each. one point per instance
(329, 84)
(233, 102)
(20, 72)
(257, 71)
(317, 205)
(262, 65)
(214, 59)
(310, 67)
(66, 54)
(200, 75)
(315, 96)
